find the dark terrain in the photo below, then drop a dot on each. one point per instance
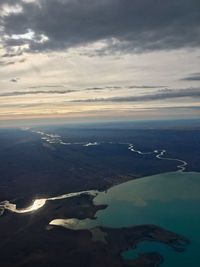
(32, 168)
(31, 242)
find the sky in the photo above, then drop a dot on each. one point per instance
(76, 60)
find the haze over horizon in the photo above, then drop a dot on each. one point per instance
(99, 60)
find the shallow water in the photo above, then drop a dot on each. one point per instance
(170, 200)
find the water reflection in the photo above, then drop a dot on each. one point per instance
(169, 200)
(39, 203)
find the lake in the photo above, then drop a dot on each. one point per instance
(170, 200)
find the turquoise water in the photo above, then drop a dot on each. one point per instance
(170, 200)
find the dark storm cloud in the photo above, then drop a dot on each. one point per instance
(126, 25)
(192, 77)
(159, 95)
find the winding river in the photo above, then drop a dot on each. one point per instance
(170, 200)
(160, 154)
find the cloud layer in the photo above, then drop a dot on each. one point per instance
(128, 25)
(159, 95)
(192, 77)
(51, 61)
(32, 92)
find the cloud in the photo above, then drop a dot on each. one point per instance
(8, 2)
(49, 86)
(146, 86)
(159, 95)
(128, 25)
(20, 93)
(62, 92)
(14, 80)
(115, 87)
(11, 54)
(192, 77)
(4, 63)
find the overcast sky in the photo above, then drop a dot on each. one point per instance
(99, 60)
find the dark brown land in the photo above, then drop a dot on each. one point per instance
(31, 168)
(28, 241)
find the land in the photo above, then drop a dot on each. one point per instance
(32, 168)
(146, 260)
(30, 241)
